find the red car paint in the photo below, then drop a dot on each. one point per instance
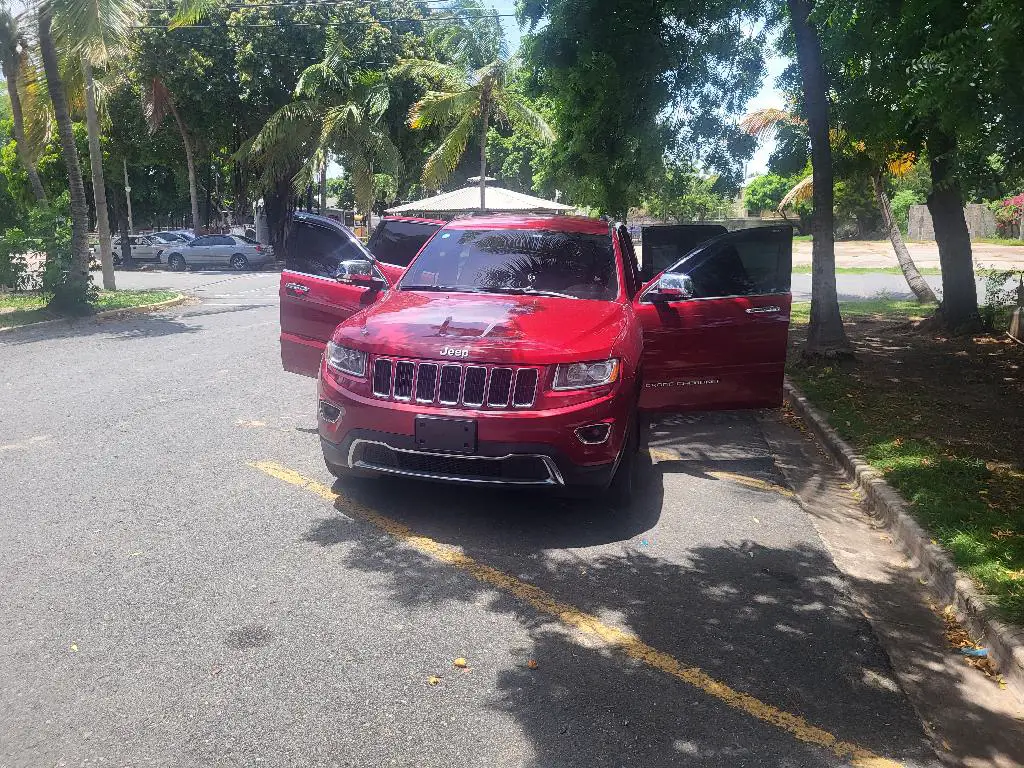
(699, 353)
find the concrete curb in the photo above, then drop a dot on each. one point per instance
(948, 586)
(181, 298)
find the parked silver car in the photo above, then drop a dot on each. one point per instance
(207, 251)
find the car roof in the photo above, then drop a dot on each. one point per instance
(556, 223)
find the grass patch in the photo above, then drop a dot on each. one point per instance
(1000, 241)
(26, 308)
(879, 307)
(805, 269)
(803, 238)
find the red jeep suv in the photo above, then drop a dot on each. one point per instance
(519, 350)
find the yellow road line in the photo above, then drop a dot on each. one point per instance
(659, 454)
(624, 641)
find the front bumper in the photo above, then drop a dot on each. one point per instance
(514, 448)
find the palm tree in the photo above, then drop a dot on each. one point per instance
(99, 187)
(157, 104)
(73, 294)
(14, 61)
(468, 101)
(335, 113)
(898, 164)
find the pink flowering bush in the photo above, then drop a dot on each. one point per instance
(1008, 215)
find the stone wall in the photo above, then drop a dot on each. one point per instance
(980, 222)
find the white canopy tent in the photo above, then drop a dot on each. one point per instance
(467, 200)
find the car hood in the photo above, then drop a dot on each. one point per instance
(487, 328)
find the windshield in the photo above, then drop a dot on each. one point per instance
(519, 261)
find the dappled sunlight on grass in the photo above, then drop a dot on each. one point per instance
(879, 307)
(30, 307)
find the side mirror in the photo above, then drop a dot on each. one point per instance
(358, 272)
(673, 287)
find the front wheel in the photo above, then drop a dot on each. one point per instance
(176, 262)
(239, 262)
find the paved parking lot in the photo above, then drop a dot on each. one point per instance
(183, 585)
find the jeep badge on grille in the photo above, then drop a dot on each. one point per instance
(453, 352)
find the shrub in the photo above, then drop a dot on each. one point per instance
(1008, 214)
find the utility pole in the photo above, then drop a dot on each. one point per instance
(128, 195)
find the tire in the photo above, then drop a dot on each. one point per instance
(624, 481)
(238, 262)
(176, 262)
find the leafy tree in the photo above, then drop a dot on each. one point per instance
(685, 195)
(765, 192)
(632, 80)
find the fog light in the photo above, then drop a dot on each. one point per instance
(594, 434)
(330, 412)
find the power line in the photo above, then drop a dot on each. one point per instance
(288, 23)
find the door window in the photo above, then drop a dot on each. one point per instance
(206, 240)
(745, 263)
(398, 242)
(317, 250)
(629, 264)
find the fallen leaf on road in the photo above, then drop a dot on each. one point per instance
(74, 648)
(432, 680)
(756, 520)
(461, 663)
(532, 664)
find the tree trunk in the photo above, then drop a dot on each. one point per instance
(209, 191)
(124, 228)
(11, 75)
(323, 186)
(73, 295)
(278, 206)
(191, 163)
(959, 309)
(483, 163)
(826, 336)
(917, 283)
(99, 189)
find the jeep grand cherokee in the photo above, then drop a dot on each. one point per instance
(519, 350)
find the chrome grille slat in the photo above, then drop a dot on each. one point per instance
(454, 384)
(382, 370)
(405, 372)
(476, 372)
(499, 390)
(451, 384)
(426, 382)
(524, 391)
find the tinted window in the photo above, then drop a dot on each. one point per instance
(208, 240)
(397, 242)
(665, 244)
(746, 264)
(512, 260)
(318, 250)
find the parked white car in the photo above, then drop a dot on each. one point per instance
(239, 253)
(143, 247)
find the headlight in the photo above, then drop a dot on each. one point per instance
(345, 360)
(586, 375)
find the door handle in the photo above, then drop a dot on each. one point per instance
(296, 289)
(762, 310)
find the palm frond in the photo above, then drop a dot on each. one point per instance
(524, 116)
(446, 76)
(191, 12)
(320, 77)
(95, 29)
(36, 108)
(442, 161)
(156, 103)
(442, 108)
(800, 192)
(761, 122)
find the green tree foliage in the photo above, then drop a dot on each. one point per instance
(685, 195)
(765, 192)
(901, 203)
(631, 79)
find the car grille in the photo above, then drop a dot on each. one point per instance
(469, 386)
(512, 470)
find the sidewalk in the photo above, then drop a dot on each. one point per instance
(879, 253)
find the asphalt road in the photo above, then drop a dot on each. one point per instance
(182, 587)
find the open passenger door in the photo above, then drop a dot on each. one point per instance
(716, 324)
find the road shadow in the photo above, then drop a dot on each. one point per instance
(127, 327)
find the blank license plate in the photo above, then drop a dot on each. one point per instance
(445, 435)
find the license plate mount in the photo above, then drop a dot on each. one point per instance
(444, 435)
